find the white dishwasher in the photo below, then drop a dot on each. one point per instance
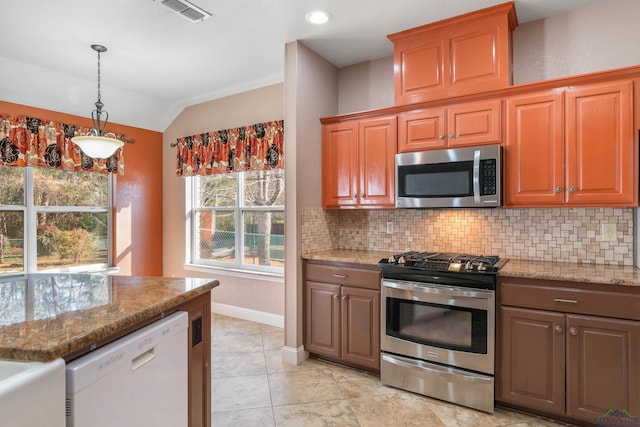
(138, 380)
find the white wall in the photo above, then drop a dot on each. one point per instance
(311, 92)
(366, 86)
(250, 296)
(599, 37)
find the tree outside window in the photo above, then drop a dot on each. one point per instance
(51, 219)
(238, 220)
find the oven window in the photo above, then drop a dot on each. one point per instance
(444, 326)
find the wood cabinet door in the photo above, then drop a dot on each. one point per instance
(601, 155)
(361, 327)
(474, 123)
(340, 164)
(377, 150)
(532, 358)
(534, 150)
(421, 130)
(322, 318)
(603, 366)
(420, 68)
(479, 56)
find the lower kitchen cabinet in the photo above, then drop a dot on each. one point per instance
(532, 359)
(568, 351)
(342, 314)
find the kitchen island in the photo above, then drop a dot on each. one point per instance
(44, 317)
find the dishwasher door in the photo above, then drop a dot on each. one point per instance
(138, 380)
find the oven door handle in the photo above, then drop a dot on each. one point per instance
(436, 369)
(444, 292)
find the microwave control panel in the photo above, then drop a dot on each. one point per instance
(488, 177)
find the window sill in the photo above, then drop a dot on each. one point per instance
(247, 274)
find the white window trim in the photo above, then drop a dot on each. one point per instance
(30, 215)
(237, 269)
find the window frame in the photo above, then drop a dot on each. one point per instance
(30, 217)
(192, 239)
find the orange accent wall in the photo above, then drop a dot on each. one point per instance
(137, 222)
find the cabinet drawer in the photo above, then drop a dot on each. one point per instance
(572, 300)
(343, 275)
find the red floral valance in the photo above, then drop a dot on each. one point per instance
(29, 141)
(253, 147)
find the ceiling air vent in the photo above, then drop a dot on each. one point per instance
(190, 11)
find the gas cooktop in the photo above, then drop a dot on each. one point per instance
(445, 261)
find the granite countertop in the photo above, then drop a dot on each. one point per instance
(47, 316)
(559, 271)
(342, 255)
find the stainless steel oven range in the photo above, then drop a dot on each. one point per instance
(438, 326)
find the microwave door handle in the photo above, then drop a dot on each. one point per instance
(476, 177)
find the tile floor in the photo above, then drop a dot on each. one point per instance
(252, 387)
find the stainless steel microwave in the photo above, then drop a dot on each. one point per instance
(451, 178)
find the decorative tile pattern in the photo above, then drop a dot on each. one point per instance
(565, 235)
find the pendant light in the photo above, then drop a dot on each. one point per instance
(96, 143)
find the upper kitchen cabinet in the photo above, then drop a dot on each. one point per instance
(463, 55)
(460, 125)
(571, 146)
(358, 158)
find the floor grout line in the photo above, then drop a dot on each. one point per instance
(369, 403)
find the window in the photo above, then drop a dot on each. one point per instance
(237, 220)
(52, 219)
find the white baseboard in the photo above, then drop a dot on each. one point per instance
(248, 314)
(294, 356)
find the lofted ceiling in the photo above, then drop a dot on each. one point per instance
(158, 62)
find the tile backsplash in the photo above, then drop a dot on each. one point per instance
(564, 235)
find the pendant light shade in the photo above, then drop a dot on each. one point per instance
(97, 147)
(96, 143)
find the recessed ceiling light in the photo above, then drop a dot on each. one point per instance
(318, 17)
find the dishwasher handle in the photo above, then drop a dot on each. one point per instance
(142, 359)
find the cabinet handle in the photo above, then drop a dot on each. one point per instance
(557, 328)
(558, 189)
(568, 301)
(335, 296)
(344, 298)
(452, 135)
(441, 136)
(340, 276)
(573, 331)
(572, 189)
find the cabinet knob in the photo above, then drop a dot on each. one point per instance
(362, 196)
(572, 189)
(558, 189)
(335, 296)
(452, 135)
(573, 331)
(355, 196)
(344, 298)
(557, 328)
(441, 136)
